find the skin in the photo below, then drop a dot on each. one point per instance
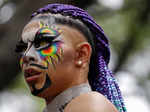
(73, 52)
(90, 102)
(72, 69)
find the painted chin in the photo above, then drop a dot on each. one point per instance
(47, 84)
(37, 80)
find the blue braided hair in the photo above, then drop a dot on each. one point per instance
(100, 77)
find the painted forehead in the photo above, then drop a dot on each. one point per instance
(38, 27)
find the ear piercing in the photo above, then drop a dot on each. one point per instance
(79, 62)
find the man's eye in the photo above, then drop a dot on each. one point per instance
(41, 45)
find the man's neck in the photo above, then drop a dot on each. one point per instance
(60, 101)
(50, 98)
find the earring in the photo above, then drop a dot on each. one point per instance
(79, 62)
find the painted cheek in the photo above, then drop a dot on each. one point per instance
(54, 52)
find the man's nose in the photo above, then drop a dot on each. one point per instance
(30, 56)
(29, 59)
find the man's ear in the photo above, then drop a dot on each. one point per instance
(83, 54)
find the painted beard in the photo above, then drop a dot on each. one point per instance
(46, 85)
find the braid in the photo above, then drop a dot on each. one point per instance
(106, 84)
(100, 77)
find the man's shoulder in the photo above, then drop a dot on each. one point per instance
(90, 102)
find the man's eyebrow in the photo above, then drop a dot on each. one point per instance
(47, 33)
(46, 38)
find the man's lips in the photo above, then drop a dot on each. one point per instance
(31, 75)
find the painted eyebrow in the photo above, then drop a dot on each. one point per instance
(41, 35)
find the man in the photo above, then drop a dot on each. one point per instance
(64, 60)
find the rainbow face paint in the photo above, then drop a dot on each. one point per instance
(46, 47)
(51, 32)
(45, 29)
(49, 50)
(52, 53)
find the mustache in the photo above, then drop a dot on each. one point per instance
(39, 66)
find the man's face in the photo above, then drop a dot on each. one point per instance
(47, 57)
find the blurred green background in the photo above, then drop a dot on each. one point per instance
(125, 22)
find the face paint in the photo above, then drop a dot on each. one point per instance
(46, 29)
(49, 31)
(39, 66)
(49, 54)
(52, 53)
(48, 50)
(46, 85)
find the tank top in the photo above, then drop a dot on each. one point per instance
(59, 103)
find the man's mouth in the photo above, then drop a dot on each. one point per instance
(38, 66)
(31, 75)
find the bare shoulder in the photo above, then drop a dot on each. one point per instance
(90, 102)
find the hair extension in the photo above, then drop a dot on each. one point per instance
(100, 77)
